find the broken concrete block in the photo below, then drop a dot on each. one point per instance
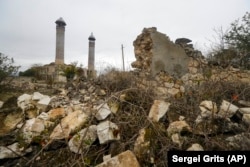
(23, 101)
(11, 121)
(125, 159)
(83, 139)
(178, 127)
(208, 108)
(195, 147)
(245, 110)
(207, 105)
(107, 131)
(103, 111)
(245, 103)
(43, 103)
(45, 100)
(227, 109)
(12, 151)
(246, 118)
(68, 124)
(158, 110)
(32, 127)
(37, 96)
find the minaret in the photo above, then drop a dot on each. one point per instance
(91, 61)
(60, 29)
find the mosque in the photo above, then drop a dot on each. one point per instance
(53, 70)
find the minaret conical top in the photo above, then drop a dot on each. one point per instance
(60, 22)
(91, 37)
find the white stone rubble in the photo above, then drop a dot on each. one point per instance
(195, 147)
(158, 110)
(12, 151)
(83, 139)
(107, 131)
(103, 111)
(227, 109)
(125, 159)
(68, 124)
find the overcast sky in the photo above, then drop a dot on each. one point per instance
(28, 29)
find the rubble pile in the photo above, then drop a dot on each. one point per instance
(43, 120)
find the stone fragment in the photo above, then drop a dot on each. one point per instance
(56, 113)
(12, 151)
(227, 109)
(114, 106)
(193, 63)
(158, 110)
(245, 103)
(107, 131)
(161, 91)
(32, 112)
(195, 147)
(176, 138)
(178, 127)
(100, 92)
(43, 116)
(68, 124)
(43, 103)
(23, 101)
(45, 100)
(91, 89)
(83, 139)
(181, 118)
(32, 127)
(86, 98)
(83, 91)
(37, 96)
(168, 84)
(1, 104)
(106, 157)
(142, 145)
(208, 108)
(125, 159)
(182, 41)
(182, 89)
(245, 110)
(239, 141)
(103, 111)
(11, 121)
(246, 118)
(173, 91)
(192, 70)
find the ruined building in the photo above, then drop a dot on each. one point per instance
(155, 52)
(54, 70)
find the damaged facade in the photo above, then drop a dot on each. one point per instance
(155, 52)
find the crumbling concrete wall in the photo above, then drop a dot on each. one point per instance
(155, 52)
(168, 56)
